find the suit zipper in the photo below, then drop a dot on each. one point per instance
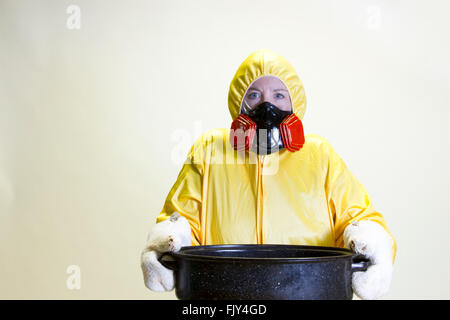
(259, 211)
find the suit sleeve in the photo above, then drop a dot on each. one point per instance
(348, 200)
(185, 196)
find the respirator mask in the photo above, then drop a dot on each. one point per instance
(265, 129)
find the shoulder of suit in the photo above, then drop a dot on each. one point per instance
(208, 141)
(316, 140)
(213, 135)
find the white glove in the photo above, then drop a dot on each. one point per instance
(371, 240)
(168, 235)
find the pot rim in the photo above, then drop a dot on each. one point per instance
(341, 253)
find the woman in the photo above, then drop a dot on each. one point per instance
(264, 181)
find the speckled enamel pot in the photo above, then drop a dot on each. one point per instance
(263, 272)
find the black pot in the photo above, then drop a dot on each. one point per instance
(263, 272)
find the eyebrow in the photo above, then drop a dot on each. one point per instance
(280, 90)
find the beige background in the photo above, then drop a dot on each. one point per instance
(94, 122)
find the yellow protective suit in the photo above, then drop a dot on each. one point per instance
(306, 197)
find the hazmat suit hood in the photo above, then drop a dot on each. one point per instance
(265, 62)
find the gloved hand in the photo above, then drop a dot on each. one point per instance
(371, 240)
(168, 235)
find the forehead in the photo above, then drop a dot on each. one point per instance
(266, 82)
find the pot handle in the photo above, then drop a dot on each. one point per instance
(360, 263)
(169, 263)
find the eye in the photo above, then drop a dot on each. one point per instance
(253, 95)
(279, 96)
